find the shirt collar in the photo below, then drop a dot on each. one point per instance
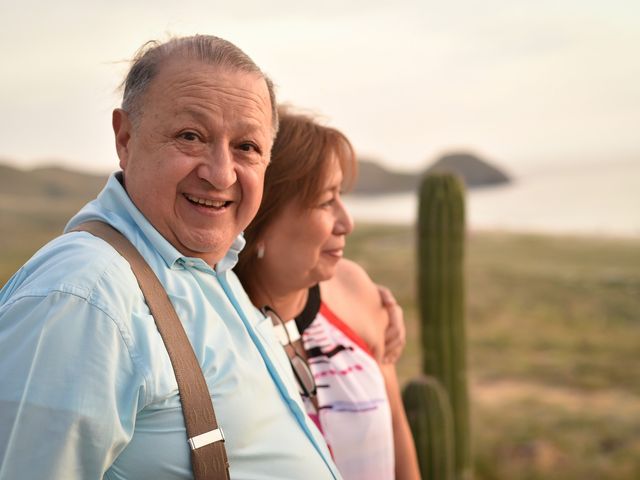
(114, 206)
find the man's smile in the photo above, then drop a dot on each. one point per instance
(207, 202)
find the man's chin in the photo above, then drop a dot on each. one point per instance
(209, 250)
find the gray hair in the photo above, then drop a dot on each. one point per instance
(204, 48)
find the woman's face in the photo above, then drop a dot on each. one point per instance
(303, 245)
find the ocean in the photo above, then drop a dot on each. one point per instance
(595, 199)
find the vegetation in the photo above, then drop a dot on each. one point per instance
(554, 331)
(440, 254)
(430, 417)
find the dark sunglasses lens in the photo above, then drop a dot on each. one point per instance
(301, 369)
(305, 376)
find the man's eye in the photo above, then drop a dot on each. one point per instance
(248, 147)
(189, 136)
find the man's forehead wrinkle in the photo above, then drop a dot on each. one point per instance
(195, 107)
(202, 91)
(248, 122)
(184, 80)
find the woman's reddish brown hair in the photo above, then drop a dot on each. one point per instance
(300, 163)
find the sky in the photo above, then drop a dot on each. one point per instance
(526, 85)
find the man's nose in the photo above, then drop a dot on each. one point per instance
(218, 167)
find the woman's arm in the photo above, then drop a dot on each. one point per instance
(406, 458)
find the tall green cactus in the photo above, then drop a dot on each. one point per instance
(441, 237)
(431, 420)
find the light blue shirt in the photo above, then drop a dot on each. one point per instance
(86, 387)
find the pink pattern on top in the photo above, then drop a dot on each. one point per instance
(354, 414)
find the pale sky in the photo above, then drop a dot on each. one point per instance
(525, 84)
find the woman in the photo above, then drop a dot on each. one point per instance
(293, 264)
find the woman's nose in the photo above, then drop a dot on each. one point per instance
(344, 221)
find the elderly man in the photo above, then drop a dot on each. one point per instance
(88, 390)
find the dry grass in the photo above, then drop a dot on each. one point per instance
(553, 337)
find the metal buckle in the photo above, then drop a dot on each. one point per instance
(204, 439)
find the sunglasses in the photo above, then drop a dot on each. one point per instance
(301, 370)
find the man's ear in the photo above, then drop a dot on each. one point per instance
(122, 131)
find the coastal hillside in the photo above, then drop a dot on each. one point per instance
(35, 205)
(476, 172)
(373, 179)
(51, 182)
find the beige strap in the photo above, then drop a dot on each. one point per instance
(208, 455)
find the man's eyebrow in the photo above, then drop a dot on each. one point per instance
(204, 116)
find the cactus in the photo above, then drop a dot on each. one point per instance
(441, 236)
(430, 418)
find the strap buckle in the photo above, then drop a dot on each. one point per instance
(207, 438)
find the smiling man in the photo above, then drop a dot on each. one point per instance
(88, 391)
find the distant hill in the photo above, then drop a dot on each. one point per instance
(35, 205)
(474, 171)
(54, 183)
(374, 179)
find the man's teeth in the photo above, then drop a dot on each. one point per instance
(207, 203)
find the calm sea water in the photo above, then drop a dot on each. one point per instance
(591, 199)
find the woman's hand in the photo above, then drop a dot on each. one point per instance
(395, 334)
